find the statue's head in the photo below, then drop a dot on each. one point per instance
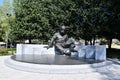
(62, 29)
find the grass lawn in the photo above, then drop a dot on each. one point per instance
(113, 53)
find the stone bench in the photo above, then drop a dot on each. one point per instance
(86, 52)
(91, 52)
(28, 50)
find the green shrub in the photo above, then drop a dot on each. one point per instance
(4, 51)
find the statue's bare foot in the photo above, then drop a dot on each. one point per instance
(67, 52)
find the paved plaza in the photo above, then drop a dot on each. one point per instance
(111, 72)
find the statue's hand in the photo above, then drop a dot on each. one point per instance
(46, 47)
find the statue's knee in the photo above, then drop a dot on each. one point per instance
(72, 45)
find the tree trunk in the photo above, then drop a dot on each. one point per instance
(94, 41)
(90, 42)
(86, 42)
(109, 43)
(29, 41)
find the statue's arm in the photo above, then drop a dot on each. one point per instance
(51, 42)
(66, 38)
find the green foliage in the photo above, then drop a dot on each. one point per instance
(39, 19)
(3, 51)
(1, 29)
(4, 22)
(95, 16)
(115, 19)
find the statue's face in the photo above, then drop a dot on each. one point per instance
(62, 30)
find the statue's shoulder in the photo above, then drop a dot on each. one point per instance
(56, 34)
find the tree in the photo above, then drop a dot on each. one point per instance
(41, 18)
(113, 29)
(95, 15)
(114, 21)
(4, 24)
(1, 29)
